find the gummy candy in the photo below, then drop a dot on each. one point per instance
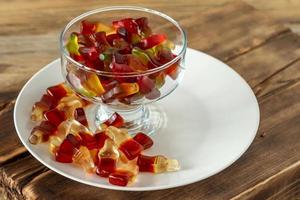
(146, 84)
(126, 46)
(46, 103)
(125, 143)
(67, 149)
(80, 116)
(93, 84)
(83, 158)
(72, 45)
(108, 157)
(87, 27)
(157, 164)
(128, 23)
(55, 116)
(144, 28)
(100, 139)
(152, 41)
(38, 111)
(115, 120)
(143, 140)
(72, 127)
(89, 141)
(42, 132)
(59, 91)
(69, 104)
(104, 28)
(127, 89)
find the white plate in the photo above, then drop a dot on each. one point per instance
(213, 117)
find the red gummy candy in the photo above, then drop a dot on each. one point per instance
(65, 152)
(143, 25)
(46, 128)
(119, 178)
(143, 140)
(55, 116)
(48, 100)
(128, 23)
(131, 149)
(146, 84)
(154, 94)
(89, 53)
(145, 163)
(86, 40)
(78, 58)
(87, 27)
(89, 141)
(100, 139)
(105, 167)
(111, 38)
(152, 41)
(67, 149)
(115, 120)
(57, 91)
(80, 116)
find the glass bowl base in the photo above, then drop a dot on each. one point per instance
(148, 119)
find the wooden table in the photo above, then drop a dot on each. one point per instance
(265, 53)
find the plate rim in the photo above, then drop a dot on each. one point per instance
(150, 188)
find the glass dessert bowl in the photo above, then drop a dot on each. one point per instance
(125, 67)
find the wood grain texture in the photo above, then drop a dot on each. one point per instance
(263, 51)
(10, 143)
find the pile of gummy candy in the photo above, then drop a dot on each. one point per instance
(108, 152)
(126, 46)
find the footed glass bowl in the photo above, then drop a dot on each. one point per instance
(128, 92)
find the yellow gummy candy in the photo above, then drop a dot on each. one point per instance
(72, 45)
(93, 83)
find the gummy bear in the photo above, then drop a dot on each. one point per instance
(157, 164)
(108, 157)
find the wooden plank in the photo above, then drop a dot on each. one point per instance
(17, 174)
(279, 81)
(266, 60)
(274, 186)
(267, 157)
(231, 30)
(10, 143)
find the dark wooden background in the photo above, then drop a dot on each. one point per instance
(257, 43)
